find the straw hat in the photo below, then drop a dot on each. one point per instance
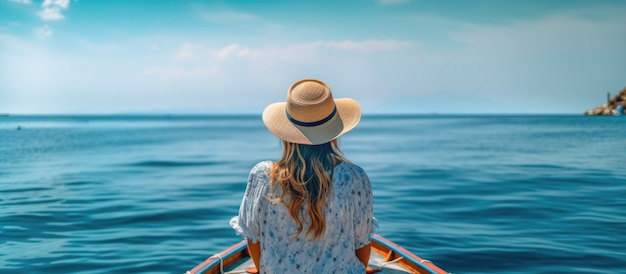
(310, 115)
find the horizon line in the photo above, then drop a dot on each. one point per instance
(259, 114)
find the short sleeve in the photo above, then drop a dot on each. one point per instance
(364, 222)
(254, 204)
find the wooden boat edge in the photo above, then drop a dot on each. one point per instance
(410, 260)
(380, 245)
(226, 258)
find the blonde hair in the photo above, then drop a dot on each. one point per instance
(303, 175)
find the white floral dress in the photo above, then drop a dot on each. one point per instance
(349, 225)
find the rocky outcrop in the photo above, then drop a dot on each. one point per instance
(611, 107)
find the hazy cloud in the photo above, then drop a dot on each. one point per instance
(179, 72)
(188, 50)
(227, 16)
(64, 4)
(308, 51)
(21, 1)
(227, 51)
(197, 60)
(393, 2)
(294, 52)
(43, 32)
(368, 45)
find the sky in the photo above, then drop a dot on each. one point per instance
(393, 56)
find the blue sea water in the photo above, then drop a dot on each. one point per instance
(473, 194)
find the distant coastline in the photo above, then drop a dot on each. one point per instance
(613, 106)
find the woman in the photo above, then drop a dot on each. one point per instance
(311, 211)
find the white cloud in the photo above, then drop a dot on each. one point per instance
(227, 51)
(291, 53)
(310, 51)
(43, 32)
(189, 51)
(64, 4)
(200, 61)
(51, 9)
(51, 14)
(21, 1)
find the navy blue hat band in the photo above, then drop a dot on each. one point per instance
(312, 124)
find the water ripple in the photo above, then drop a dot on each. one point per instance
(154, 163)
(485, 194)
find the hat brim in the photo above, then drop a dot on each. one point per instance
(347, 117)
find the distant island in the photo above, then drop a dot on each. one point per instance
(613, 106)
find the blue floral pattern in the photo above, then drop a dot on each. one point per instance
(349, 225)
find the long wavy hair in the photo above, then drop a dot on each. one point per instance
(304, 174)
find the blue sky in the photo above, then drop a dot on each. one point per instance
(394, 56)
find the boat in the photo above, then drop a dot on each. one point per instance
(386, 257)
(619, 110)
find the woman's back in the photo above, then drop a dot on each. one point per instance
(348, 216)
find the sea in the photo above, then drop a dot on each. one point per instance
(471, 193)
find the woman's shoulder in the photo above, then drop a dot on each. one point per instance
(351, 168)
(261, 170)
(263, 166)
(260, 174)
(352, 175)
